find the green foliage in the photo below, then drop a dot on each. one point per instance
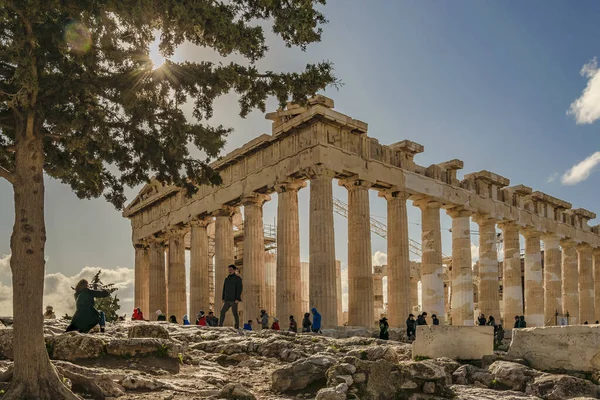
(421, 358)
(67, 317)
(363, 355)
(162, 351)
(180, 358)
(110, 305)
(77, 76)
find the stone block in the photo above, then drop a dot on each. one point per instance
(556, 348)
(455, 342)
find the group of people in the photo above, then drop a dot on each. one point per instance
(266, 322)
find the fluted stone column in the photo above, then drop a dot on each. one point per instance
(271, 283)
(253, 270)
(512, 285)
(288, 250)
(398, 261)
(586, 283)
(378, 308)
(415, 278)
(322, 284)
(489, 301)
(224, 254)
(534, 279)
(199, 271)
(157, 279)
(596, 260)
(142, 277)
(570, 286)
(304, 286)
(552, 279)
(462, 268)
(432, 283)
(360, 270)
(338, 284)
(177, 296)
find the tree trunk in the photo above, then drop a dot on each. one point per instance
(34, 377)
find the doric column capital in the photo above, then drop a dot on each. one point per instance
(141, 244)
(176, 230)
(483, 219)
(225, 211)
(254, 198)
(159, 239)
(394, 193)
(508, 226)
(530, 233)
(427, 203)
(292, 185)
(596, 251)
(550, 240)
(202, 221)
(458, 212)
(567, 243)
(584, 247)
(354, 182)
(319, 172)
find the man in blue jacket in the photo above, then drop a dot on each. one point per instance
(316, 325)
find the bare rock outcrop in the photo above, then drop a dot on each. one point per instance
(144, 330)
(558, 387)
(514, 376)
(6, 343)
(236, 391)
(73, 346)
(144, 346)
(301, 373)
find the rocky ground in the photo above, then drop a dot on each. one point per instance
(140, 360)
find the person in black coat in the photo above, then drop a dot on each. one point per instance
(86, 316)
(232, 295)
(411, 326)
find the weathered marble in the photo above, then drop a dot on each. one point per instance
(456, 342)
(462, 272)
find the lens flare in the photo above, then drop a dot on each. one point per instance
(77, 37)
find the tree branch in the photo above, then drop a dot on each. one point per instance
(6, 174)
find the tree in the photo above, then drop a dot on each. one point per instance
(81, 102)
(110, 305)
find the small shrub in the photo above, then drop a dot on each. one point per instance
(422, 358)
(162, 351)
(180, 358)
(363, 355)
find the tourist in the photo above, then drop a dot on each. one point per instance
(201, 319)
(263, 320)
(596, 322)
(173, 319)
(86, 316)
(434, 319)
(522, 323)
(306, 324)
(293, 324)
(499, 334)
(232, 295)
(160, 316)
(275, 325)
(492, 322)
(211, 320)
(316, 323)
(137, 315)
(411, 326)
(186, 321)
(481, 321)
(49, 314)
(421, 319)
(585, 323)
(384, 333)
(516, 321)
(248, 325)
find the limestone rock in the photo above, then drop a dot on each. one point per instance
(558, 387)
(138, 346)
(146, 330)
(573, 348)
(469, 374)
(137, 382)
(6, 345)
(236, 391)
(513, 375)
(473, 393)
(71, 346)
(337, 393)
(373, 353)
(301, 373)
(455, 342)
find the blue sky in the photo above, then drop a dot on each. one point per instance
(487, 82)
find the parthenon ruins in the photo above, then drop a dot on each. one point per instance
(319, 144)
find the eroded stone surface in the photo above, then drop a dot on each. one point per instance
(456, 342)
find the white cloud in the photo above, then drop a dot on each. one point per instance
(552, 178)
(474, 252)
(581, 171)
(379, 258)
(586, 108)
(58, 292)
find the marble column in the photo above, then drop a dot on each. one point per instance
(199, 263)
(378, 308)
(271, 283)
(288, 250)
(360, 270)
(586, 284)
(432, 283)
(253, 270)
(415, 278)
(534, 280)
(304, 286)
(224, 254)
(462, 268)
(570, 287)
(142, 277)
(322, 285)
(338, 285)
(157, 281)
(398, 261)
(512, 285)
(552, 279)
(177, 296)
(596, 261)
(488, 295)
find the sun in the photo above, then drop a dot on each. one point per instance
(157, 59)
